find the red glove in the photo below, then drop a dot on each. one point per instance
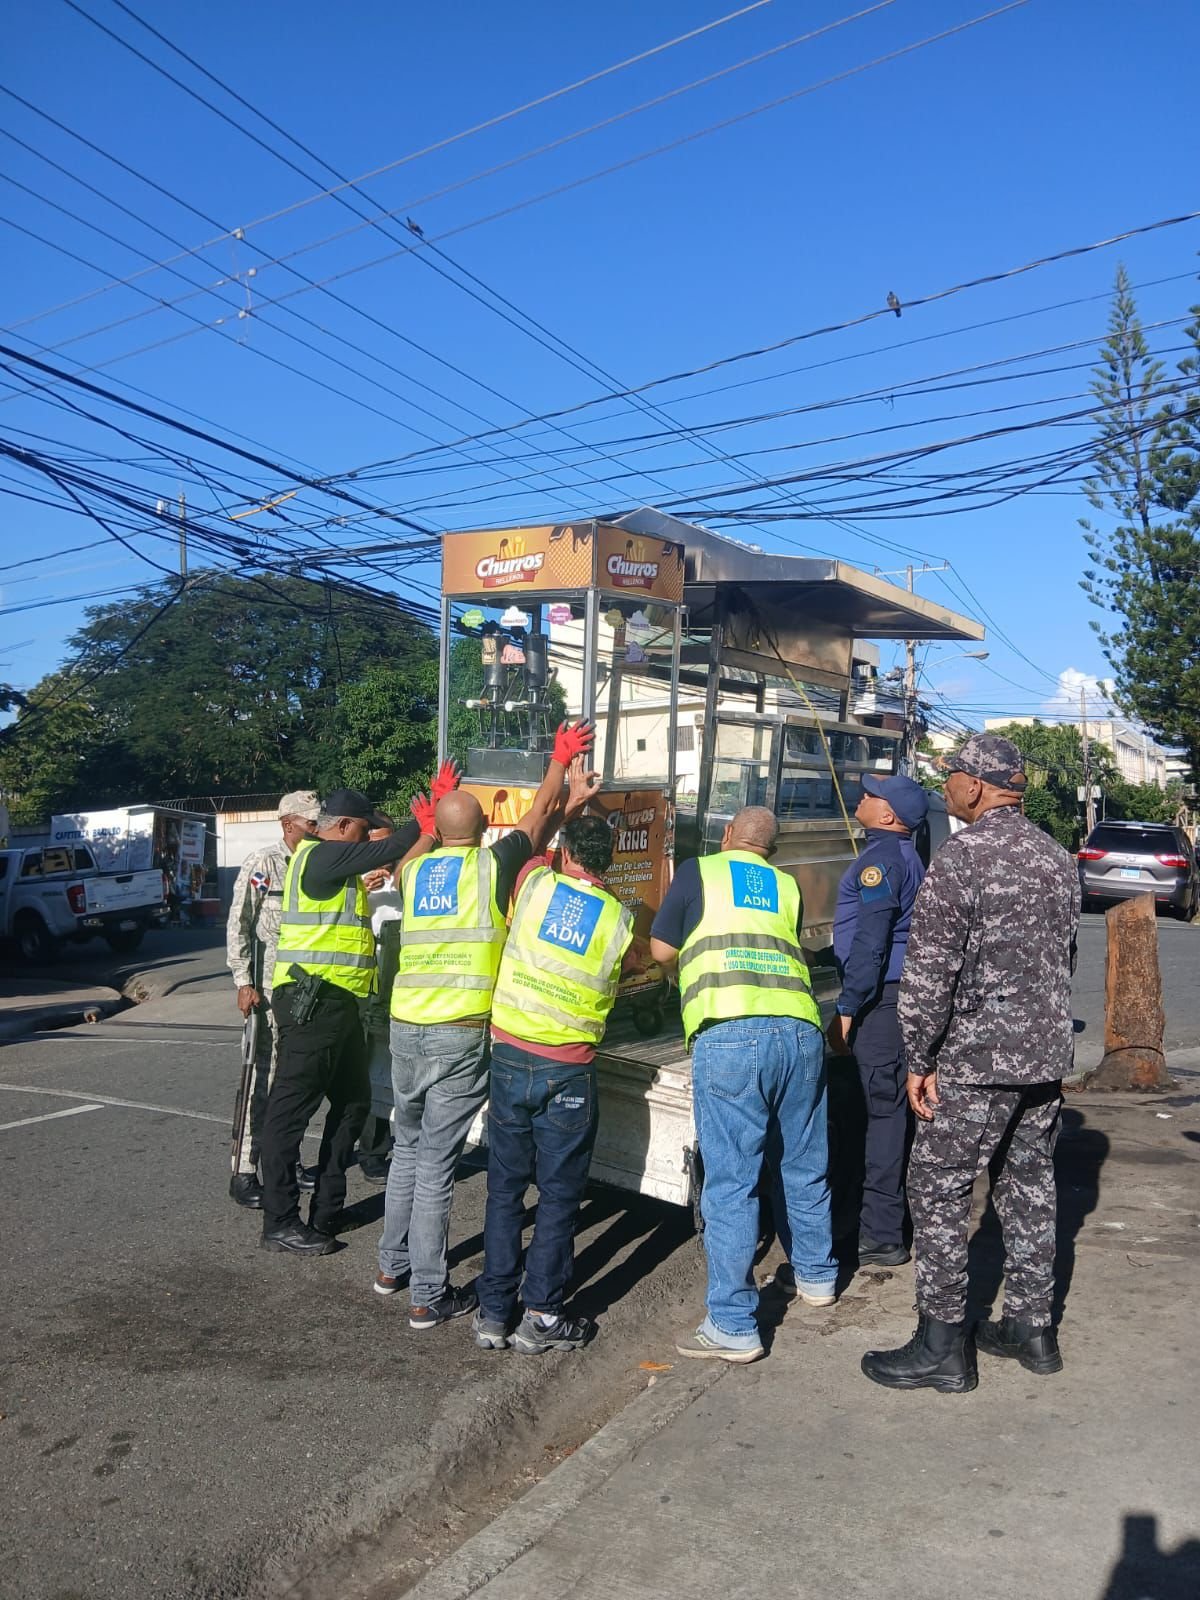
(572, 742)
(448, 779)
(422, 808)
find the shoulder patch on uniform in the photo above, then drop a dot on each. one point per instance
(260, 880)
(874, 884)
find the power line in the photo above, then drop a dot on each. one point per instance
(623, 165)
(440, 144)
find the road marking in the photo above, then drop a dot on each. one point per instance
(108, 1100)
(93, 1033)
(49, 1116)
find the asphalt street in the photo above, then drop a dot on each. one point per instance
(185, 1414)
(1179, 962)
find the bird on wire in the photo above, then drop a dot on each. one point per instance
(893, 302)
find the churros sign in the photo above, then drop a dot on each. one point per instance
(510, 563)
(629, 569)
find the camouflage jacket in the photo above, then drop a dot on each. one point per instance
(986, 991)
(254, 916)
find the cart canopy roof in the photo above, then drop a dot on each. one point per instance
(842, 597)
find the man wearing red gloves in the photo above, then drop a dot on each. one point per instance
(454, 927)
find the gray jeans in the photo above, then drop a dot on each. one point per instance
(439, 1082)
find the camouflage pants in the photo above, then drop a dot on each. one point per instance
(1014, 1131)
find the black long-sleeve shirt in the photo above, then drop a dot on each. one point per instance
(330, 864)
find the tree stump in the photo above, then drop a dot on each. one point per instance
(1133, 1008)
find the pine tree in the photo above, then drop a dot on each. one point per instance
(1146, 564)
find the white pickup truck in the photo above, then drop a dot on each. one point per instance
(55, 893)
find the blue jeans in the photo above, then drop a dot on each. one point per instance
(542, 1119)
(439, 1082)
(758, 1088)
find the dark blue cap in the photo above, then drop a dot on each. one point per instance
(908, 800)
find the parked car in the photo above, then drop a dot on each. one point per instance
(56, 893)
(1120, 859)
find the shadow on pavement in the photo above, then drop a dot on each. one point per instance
(1080, 1153)
(1144, 1571)
(660, 1227)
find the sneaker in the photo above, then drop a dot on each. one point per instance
(534, 1336)
(388, 1285)
(453, 1303)
(813, 1294)
(700, 1347)
(871, 1254)
(489, 1333)
(374, 1168)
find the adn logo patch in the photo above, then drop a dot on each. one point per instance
(435, 893)
(571, 919)
(755, 888)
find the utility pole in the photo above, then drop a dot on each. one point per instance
(182, 536)
(909, 750)
(1089, 805)
(908, 747)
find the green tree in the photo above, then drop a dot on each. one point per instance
(1142, 802)
(388, 734)
(52, 750)
(234, 688)
(1145, 561)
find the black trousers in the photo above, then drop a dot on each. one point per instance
(323, 1059)
(881, 1070)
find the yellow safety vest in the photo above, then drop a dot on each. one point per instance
(562, 963)
(743, 958)
(331, 938)
(451, 937)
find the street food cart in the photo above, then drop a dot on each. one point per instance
(717, 676)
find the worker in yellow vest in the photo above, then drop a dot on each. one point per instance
(324, 968)
(452, 934)
(733, 923)
(558, 981)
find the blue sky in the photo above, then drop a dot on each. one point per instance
(1045, 128)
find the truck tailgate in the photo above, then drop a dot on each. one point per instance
(123, 891)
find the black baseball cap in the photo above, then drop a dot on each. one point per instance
(350, 803)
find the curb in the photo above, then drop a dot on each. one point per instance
(528, 1520)
(20, 1023)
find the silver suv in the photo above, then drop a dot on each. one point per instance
(1120, 859)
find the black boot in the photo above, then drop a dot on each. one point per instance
(1035, 1348)
(245, 1188)
(939, 1356)
(294, 1236)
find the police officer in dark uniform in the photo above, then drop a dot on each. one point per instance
(870, 938)
(985, 1012)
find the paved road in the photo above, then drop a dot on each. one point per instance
(1179, 960)
(168, 959)
(178, 1403)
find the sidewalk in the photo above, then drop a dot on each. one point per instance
(798, 1477)
(92, 979)
(30, 1003)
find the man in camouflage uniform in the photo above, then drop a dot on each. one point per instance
(985, 1014)
(251, 935)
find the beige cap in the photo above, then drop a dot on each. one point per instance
(300, 803)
